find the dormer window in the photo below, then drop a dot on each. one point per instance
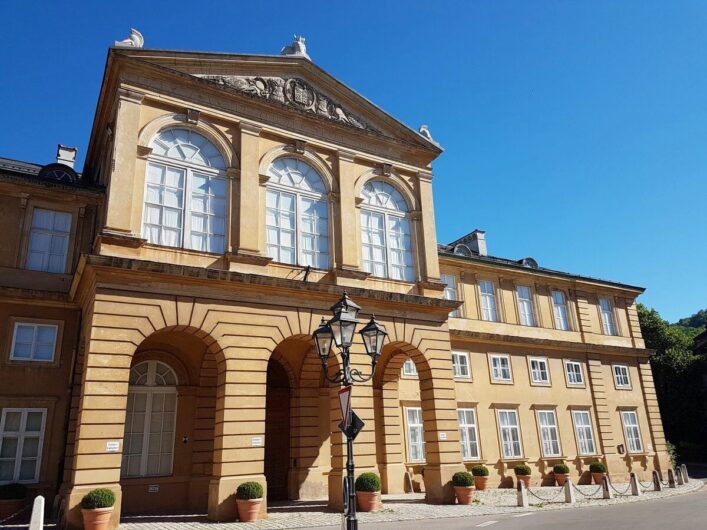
(185, 195)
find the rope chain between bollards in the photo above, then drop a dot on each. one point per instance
(2, 521)
(587, 495)
(649, 487)
(620, 493)
(549, 499)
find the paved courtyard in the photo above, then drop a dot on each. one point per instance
(410, 507)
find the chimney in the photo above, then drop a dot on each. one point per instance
(66, 155)
(477, 242)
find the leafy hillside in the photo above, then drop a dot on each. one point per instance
(678, 373)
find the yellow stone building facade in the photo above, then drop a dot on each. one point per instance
(157, 309)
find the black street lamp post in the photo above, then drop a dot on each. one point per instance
(340, 330)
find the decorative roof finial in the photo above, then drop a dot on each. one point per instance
(296, 49)
(135, 40)
(425, 133)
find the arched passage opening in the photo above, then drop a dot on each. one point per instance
(168, 441)
(277, 431)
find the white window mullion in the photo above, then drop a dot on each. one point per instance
(146, 433)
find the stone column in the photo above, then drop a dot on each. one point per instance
(122, 182)
(240, 417)
(100, 415)
(247, 195)
(606, 437)
(390, 460)
(349, 255)
(428, 244)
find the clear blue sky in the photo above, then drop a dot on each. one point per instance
(575, 132)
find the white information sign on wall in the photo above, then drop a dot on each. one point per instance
(443, 436)
(112, 447)
(256, 441)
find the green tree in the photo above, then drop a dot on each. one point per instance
(678, 374)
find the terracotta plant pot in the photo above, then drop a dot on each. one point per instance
(597, 478)
(96, 519)
(561, 478)
(525, 479)
(464, 494)
(10, 506)
(480, 483)
(367, 501)
(248, 509)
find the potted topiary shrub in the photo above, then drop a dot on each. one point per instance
(598, 470)
(522, 471)
(561, 472)
(368, 486)
(96, 508)
(249, 496)
(481, 476)
(12, 499)
(463, 489)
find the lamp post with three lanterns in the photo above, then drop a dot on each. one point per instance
(340, 330)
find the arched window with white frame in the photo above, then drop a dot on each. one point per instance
(185, 194)
(297, 214)
(148, 442)
(385, 232)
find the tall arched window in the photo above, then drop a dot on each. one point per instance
(185, 198)
(297, 214)
(385, 232)
(148, 442)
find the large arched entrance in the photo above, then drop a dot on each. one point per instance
(277, 431)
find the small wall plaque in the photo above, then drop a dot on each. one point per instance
(443, 436)
(256, 441)
(112, 447)
(153, 488)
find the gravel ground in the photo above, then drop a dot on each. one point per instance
(411, 507)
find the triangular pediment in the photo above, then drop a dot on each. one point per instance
(292, 83)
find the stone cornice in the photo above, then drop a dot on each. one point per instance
(122, 271)
(549, 344)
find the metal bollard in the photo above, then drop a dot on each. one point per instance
(685, 478)
(635, 487)
(608, 494)
(37, 521)
(569, 492)
(657, 484)
(522, 495)
(678, 476)
(671, 478)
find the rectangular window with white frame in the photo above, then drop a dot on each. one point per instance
(574, 373)
(489, 311)
(549, 436)
(48, 245)
(584, 432)
(509, 427)
(21, 441)
(622, 379)
(33, 342)
(460, 365)
(451, 292)
(468, 434)
(409, 368)
(416, 434)
(559, 311)
(608, 321)
(539, 370)
(501, 368)
(632, 431)
(525, 305)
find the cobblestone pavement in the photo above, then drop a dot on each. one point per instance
(313, 514)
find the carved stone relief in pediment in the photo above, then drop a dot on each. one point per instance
(293, 92)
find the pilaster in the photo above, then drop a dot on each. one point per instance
(120, 194)
(246, 237)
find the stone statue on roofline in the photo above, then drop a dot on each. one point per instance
(297, 49)
(135, 40)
